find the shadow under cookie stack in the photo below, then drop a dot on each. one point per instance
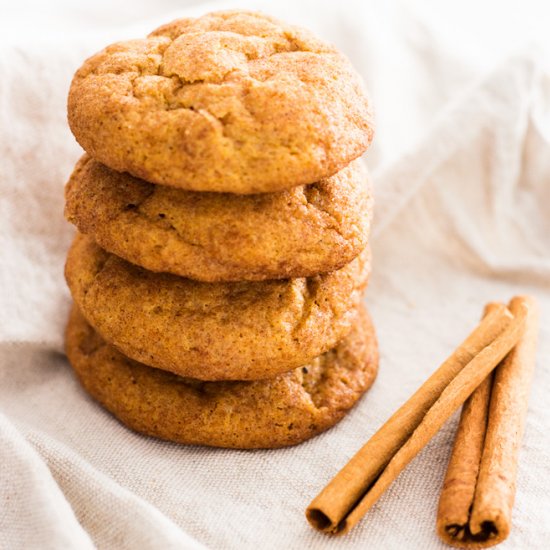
(223, 224)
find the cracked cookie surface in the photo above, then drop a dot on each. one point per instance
(271, 413)
(229, 102)
(213, 331)
(219, 236)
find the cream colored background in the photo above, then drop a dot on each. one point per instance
(462, 167)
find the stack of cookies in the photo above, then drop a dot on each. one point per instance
(223, 232)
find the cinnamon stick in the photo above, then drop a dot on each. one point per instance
(475, 507)
(343, 502)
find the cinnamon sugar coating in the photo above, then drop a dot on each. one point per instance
(217, 237)
(231, 101)
(270, 413)
(213, 331)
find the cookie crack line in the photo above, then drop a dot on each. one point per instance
(136, 205)
(334, 223)
(158, 57)
(177, 105)
(96, 347)
(137, 211)
(308, 293)
(313, 394)
(101, 267)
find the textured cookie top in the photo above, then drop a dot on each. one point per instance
(220, 236)
(213, 331)
(232, 101)
(269, 413)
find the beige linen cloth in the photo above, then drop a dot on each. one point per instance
(462, 171)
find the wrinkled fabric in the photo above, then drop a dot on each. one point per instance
(461, 164)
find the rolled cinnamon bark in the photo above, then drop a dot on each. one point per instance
(476, 503)
(460, 482)
(343, 502)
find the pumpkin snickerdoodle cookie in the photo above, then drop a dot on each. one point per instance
(232, 101)
(270, 413)
(220, 236)
(213, 331)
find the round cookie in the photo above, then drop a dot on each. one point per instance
(232, 101)
(213, 331)
(220, 236)
(270, 413)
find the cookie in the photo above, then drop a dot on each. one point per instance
(281, 411)
(233, 101)
(219, 236)
(213, 331)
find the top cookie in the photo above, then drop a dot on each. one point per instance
(232, 102)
